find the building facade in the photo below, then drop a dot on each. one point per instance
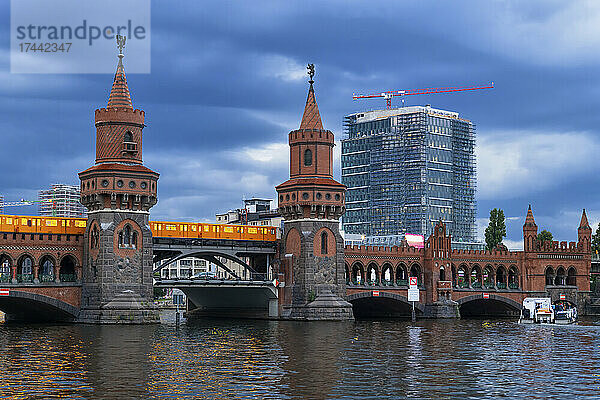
(474, 280)
(1, 204)
(61, 201)
(407, 169)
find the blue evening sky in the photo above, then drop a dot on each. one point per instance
(228, 83)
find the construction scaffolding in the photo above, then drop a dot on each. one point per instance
(406, 169)
(61, 201)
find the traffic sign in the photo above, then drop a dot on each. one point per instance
(412, 281)
(486, 295)
(413, 294)
(275, 282)
(375, 293)
(4, 292)
(563, 297)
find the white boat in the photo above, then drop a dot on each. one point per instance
(540, 310)
(564, 313)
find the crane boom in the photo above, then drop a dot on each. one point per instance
(412, 92)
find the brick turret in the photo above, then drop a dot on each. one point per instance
(584, 233)
(118, 192)
(311, 202)
(311, 191)
(529, 232)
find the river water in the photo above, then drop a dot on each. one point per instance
(225, 359)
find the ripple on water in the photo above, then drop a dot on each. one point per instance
(469, 359)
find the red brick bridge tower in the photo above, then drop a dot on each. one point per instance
(311, 203)
(118, 192)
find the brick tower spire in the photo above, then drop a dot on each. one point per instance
(118, 192)
(529, 232)
(311, 202)
(584, 233)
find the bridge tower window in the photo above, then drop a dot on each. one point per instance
(129, 146)
(128, 238)
(307, 158)
(323, 243)
(95, 237)
(442, 273)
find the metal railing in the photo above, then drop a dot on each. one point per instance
(46, 278)
(68, 278)
(24, 278)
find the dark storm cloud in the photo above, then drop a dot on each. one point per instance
(228, 83)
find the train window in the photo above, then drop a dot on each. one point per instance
(28, 222)
(194, 228)
(9, 221)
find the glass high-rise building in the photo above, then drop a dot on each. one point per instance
(408, 168)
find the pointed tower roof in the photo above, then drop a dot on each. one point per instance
(584, 221)
(311, 119)
(119, 94)
(529, 220)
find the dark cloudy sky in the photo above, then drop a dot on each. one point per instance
(228, 83)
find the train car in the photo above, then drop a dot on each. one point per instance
(48, 225)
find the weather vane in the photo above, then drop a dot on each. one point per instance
(311, 72)
(121, 44)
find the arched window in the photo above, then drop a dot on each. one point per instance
(442, 274)
(324, 243)
(128, 238)
(47, 267)
(95, 237)
(549, 276)
(128, 144)
(307, 158)
(559, 280)
(26, 266)
(572, 277)
(4, 267)
(127, 235)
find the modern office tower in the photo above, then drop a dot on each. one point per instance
(61, 201)
(406, 169)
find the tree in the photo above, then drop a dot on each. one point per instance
(544, 236)
(596, 241)
(496, 229)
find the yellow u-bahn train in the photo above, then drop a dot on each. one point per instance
(184, 230)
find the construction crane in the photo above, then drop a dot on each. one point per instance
(23, 202)
(412, 92)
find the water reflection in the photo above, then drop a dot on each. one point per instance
(265, 359)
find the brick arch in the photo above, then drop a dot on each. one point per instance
(372, 265)
(510, 302)
(37, 306)
(399, 298)
(292, 242)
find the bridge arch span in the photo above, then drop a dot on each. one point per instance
(21, 305)
(386, 305)
(209, 256)
(496, 305)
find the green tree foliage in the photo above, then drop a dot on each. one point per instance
(596, 241)
(496, 229)
(544, 236)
